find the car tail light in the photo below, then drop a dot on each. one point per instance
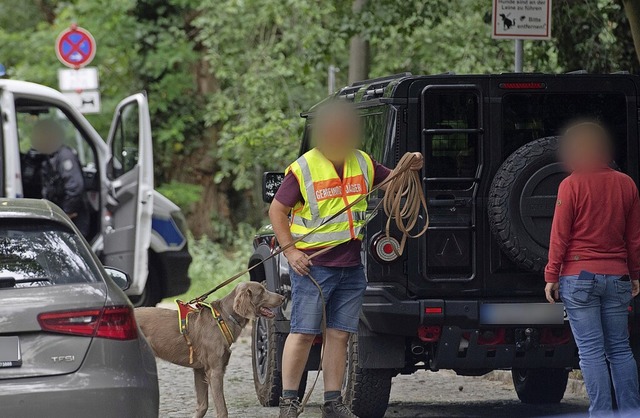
(385, 249)
(433, 310)
(523, 86)
(113, 322)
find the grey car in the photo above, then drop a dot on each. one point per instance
(69, 343)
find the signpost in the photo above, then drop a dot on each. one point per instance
(519, 20)
(75, 48)
(80, 79)
(85, 101)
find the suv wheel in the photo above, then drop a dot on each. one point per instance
(522, 199)
(264, 351)
(539, 386)
(365, 391)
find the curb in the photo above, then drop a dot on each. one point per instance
(574, 386)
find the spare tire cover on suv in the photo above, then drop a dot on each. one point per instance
(522, 199)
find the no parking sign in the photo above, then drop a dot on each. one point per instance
(75, 47)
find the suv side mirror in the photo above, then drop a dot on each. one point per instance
(119, 277)
(271, 182)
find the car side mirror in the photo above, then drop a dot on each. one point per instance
(271, 182)
(119, 277)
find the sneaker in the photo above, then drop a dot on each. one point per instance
(336, 409)
(289, 408)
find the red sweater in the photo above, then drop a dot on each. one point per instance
(596, 226)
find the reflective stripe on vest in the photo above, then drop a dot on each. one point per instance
(325, 194)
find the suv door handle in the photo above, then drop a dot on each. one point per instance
(442, 202)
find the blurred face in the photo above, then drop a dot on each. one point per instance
(46, 138)
(337, 132)
(585, 148)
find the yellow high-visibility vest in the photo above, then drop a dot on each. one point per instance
(325, 194)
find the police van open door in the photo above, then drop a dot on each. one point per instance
(130, 170)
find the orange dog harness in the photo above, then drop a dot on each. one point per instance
(184, 309)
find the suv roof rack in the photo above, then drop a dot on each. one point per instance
(348, 93)
(577, 72)
(621, 72)
(375, 80)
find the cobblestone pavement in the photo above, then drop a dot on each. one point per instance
(423, 394)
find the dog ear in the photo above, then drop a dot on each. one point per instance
(242, 303)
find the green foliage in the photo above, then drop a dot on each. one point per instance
(269, 60)
(182, 194)
(214, 262)
(593, 35)
(455, 39)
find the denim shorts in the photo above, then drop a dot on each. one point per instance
(343, 289)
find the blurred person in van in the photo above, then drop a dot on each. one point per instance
(59, 171)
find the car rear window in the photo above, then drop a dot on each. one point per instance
(38, 253)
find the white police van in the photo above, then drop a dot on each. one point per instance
(133, 227)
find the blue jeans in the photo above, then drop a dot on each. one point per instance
(598, 314)
(343, 289)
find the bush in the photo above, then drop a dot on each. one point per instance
(214, 262)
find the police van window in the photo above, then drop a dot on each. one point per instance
(451, 154)
(125, 141)
(527, 117)
(43, 129)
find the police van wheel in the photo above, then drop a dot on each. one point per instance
(522, 201)
(365, 391)
(540, 386)
(152, 293)
(264, 353)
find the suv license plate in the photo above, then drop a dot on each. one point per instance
(10, 352)
(522, 314)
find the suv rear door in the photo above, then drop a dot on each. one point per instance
(451, 127)
(130, 169)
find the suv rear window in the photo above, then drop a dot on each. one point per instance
(530, 116)
(43, 254)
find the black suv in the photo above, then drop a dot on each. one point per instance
(467, 296)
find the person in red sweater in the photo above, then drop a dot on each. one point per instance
(594, 265)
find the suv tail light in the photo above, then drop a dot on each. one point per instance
(385, 249)
(523, 85)
(113, 322)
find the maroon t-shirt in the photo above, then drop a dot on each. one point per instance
(343, 255)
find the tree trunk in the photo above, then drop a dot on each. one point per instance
(200, 166)
(358, 51)
(632, 9)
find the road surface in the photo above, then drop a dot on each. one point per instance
(423, 394)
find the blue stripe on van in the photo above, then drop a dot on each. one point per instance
(168, 230)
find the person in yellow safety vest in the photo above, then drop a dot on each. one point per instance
(316, 186)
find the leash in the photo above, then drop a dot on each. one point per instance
(400, 172)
